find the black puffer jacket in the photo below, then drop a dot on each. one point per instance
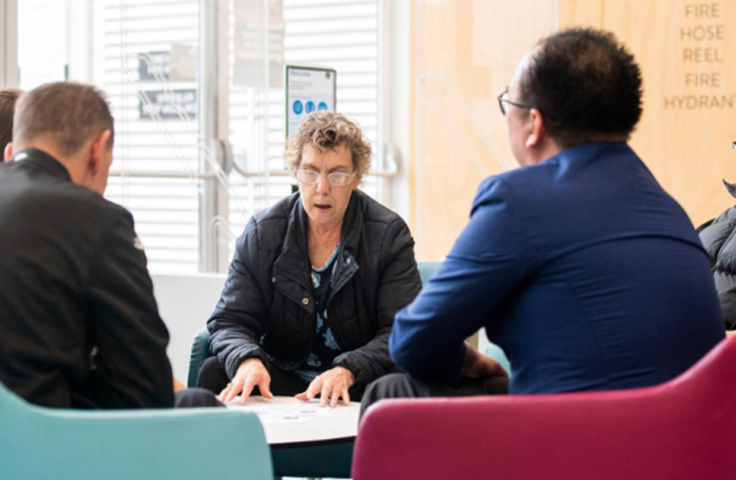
(719, 239)
(267, 311)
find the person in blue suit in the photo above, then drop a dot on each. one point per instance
(578, 264)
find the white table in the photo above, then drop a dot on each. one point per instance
(287, 420)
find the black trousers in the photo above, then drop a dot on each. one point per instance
(401, 385)
(195, 397)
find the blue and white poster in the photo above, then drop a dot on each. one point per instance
(308, 89)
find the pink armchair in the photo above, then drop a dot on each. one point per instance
(683, 429)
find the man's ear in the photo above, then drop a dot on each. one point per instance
(8, 152)
(96, 150)
(538, 129)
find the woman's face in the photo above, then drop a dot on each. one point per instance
(325, 203)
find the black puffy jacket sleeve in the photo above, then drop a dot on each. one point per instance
(237, 323)
(398, 284)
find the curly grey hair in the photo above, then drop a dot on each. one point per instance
(327, 130)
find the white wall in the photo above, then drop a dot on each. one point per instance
(185, 303)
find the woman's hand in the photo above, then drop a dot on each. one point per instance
(251, 373)
(331, 385)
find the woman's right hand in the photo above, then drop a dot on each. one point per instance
(251, 373)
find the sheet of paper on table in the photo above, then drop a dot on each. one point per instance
(287, 420)
(281, 410)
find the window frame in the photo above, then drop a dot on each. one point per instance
(392, 133)
(9, 70)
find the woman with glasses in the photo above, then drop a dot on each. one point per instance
(315, 281)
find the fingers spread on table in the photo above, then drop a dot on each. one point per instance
(223, 393)
(264, 387)
(334, 397)
(233, 389)
(247, 390)
(324, 395)
(315, 387)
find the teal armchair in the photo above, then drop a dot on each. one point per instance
(166, 444)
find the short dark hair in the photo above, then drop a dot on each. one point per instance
(70, 112)
(8, 97)
(586, 85)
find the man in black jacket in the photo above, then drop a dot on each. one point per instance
(79, 326)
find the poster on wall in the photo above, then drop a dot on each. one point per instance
(308, 89)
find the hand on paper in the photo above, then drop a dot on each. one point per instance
(331, 386)
(251, 373)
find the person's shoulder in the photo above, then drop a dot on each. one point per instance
(502, 184)
(267, 228)
(376, 212)
(728, 216)
(717, 235)
(78, 204)
(278, 212)
(103, 209)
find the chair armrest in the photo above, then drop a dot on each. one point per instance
(200, 353)
(161, 444)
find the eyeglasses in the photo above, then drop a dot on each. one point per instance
(336, 179)
(504, 98)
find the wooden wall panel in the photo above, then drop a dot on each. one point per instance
(580, 13)
(464, 52)
(687, 52)
(463, 55)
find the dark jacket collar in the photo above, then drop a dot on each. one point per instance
(351, 225)
(293, 262)
(295, 241)
(43, 160)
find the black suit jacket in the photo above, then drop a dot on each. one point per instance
(79, 326)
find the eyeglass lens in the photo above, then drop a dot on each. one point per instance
(310, 177)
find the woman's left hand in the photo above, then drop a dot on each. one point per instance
(331, 386)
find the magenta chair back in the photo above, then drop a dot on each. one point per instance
(683, 429)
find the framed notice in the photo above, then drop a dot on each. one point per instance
(308, 89)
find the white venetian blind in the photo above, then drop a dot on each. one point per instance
(339, 34)
(166, 210)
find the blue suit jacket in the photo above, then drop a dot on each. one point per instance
(582, 268)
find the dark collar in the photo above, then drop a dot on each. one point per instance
(43, 160)
(294, 258)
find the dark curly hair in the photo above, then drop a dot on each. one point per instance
(586, 85)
